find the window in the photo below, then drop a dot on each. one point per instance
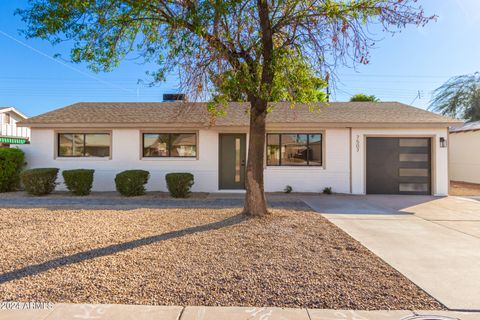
(83, 144)
(304, 149)
(413, 157)
(413, 172)
(183, 145)
(7, 118)
(413, 187)
(409, 142)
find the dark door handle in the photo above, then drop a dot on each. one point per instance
(243, 162)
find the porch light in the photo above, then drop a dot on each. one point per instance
(443, 142)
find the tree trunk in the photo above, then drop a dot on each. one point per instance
(255, 201)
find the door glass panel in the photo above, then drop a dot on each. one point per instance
(413, 172)
(294, 149)
(413, 187)
(237, 160)
(413, 142)
(415, 157)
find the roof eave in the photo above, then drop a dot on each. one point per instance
(108, 125)
(276, 125)
(12, 109)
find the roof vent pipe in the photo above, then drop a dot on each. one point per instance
(172, 97)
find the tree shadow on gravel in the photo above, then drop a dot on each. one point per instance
(115, 248)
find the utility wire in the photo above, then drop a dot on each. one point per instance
(65, 64)
(418, 96)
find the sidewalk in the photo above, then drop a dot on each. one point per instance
(131, 312)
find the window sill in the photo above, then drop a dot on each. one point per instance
(169, 158)
(83, 158)
(295, 167)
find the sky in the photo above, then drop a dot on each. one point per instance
(405, 67)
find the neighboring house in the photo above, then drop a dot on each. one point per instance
(353, 147)
(10, 134)
(465, 153)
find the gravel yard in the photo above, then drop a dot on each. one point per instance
(211, 257)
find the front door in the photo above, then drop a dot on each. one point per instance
(232, 161)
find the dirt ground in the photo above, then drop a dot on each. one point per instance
(464, 189)
(212, 257)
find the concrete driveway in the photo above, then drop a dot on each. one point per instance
(435, 242)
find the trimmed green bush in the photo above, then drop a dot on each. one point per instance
(78, 181)
(39, 181)
(131, 183)
(179, 184)
(11, 163)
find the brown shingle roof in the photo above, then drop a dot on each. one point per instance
(196, 114)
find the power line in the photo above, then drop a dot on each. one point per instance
(418, 96)
(392, 75)
(64, 64)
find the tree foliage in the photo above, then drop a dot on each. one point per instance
(459, 97)
(250, 50)
(218, 43)
(364, 97)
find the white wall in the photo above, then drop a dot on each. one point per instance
(465, 156)
(125, 156)
(335, 173)
(439, 156)
(10, 129)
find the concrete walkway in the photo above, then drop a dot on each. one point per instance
(435, 242)
(132, 312)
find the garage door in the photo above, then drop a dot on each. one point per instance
(398, 166)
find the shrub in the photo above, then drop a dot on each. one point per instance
(79, 181)
(131, 183)
(327, 190)
(179, 184)
(39, 181)
(11, 163)
(288, 189)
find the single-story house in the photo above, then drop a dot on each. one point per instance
(353, 147)
(10, 134)
(465, 153)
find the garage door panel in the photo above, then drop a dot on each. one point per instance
(398, 165)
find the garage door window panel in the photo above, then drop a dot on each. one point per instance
(413, 157)
(413, 172)
(412, 142)
(413, 187)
